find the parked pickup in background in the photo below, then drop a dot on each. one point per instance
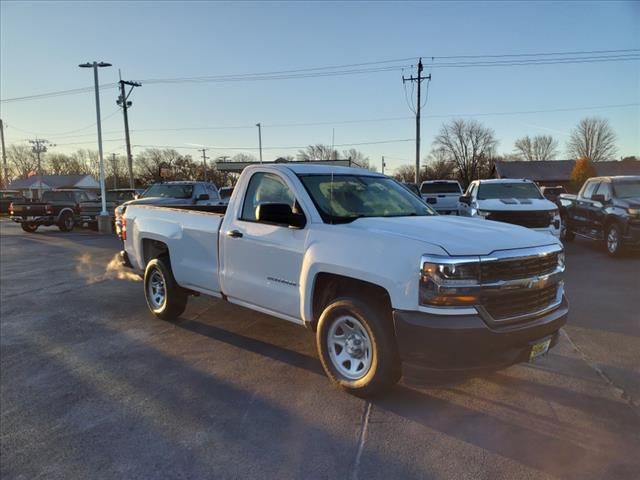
(90, 210)
(7, 197)
(511, 201)
(356, 257)
(606, 209)
(172, 193)
(58, 207)
(442, 195)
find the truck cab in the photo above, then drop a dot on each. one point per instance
(606, 209)
(515, 201)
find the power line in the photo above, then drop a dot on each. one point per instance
(356, 121)
(181, 147)
(515, 59)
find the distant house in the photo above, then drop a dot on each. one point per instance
(550, 173)
(29, 187)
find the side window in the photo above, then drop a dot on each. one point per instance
(198, 190)
(81, 197)
(264, 188)
(589, 189)
(213, 193)
(604, 189)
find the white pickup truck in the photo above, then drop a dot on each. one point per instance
(380, 277)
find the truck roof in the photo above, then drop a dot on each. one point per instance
(321, 169)
(617, 177)
(506, 180)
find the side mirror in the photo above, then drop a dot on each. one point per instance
(279, 214)
(598, 197)
(202, 197)
(136, 196)
(465, 199)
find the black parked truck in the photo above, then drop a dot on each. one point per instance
(63, 208)
(607, 209)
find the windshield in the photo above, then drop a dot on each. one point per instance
(343, 198)
(169, 190)
(519, 190)
(122, 196)
(440, 187)
(627, 189)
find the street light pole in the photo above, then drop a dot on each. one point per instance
(104, 223)
(260, 139)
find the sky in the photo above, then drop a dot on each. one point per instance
(43, 42)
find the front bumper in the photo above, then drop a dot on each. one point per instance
(466, 342)
(124, 259)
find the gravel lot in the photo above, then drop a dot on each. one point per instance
(92, 386)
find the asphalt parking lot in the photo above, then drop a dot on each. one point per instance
(93, 386)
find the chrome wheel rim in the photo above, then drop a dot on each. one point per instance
(156, 291)
(349, 347)
(612, 240)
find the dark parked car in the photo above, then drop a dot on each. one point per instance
(58, 207)
(606, 209)
(9, 196)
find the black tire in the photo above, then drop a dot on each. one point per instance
(613, 239)
(385, 367)
(66, 222)
(29, 228)
(172, 303)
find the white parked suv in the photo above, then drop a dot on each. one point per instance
(356, 257)
(516, 201)
(442, 195)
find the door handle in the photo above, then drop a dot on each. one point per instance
(234, 234)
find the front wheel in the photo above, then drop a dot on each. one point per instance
(566, 235)
(357, 347)
(29, 228)
(613, 240)
(165, 298)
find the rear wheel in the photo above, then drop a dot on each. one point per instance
(357, 347)
(613, 240)
(29, 228)
(165, 298)
(66, 222)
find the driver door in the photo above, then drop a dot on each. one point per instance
(261, 262)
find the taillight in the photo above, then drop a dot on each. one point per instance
(123, 232)
(48, 209)
(11, 208)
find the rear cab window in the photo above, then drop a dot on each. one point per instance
(440, 187)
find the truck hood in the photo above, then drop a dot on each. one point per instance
(510, 204)
(456, 235)
(159, 201)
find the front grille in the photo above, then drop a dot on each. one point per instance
(531, 219)
(520, 302)
(514, 269)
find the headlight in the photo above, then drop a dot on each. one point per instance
(633, 211)
(443, 283)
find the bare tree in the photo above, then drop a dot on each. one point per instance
(540, 147)
(243, 157)
(21, 161)
(359, 159)
(318, 152)
(594, 139)
(469, 144)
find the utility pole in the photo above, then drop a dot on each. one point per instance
(260, 139)
(39, 146)
(383, 164)
(125, 104)
(104, 222)
(204, 162)
(114, 165)
(419, 78)
(5, 172)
